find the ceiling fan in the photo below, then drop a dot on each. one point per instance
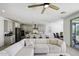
(45, 5)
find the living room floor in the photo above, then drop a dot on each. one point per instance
(73, 51)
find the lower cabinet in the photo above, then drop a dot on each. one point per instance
(9, 40)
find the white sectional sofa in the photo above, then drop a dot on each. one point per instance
(48, 45)
(34, 46)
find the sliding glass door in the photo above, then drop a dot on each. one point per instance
(75, 33)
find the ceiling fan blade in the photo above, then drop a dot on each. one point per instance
(54, 7)
(35, 5)
(43, 10)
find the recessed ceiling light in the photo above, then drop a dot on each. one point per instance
(3, 11)
(63, 12)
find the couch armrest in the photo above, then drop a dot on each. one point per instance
(63, 47)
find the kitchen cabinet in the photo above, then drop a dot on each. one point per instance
(1, 31)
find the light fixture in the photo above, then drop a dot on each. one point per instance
(35, 29)
(3, 11)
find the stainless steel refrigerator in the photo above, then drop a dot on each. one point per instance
(17, 34)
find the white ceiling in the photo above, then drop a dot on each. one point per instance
(20, 12)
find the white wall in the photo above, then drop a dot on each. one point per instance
(66, 29)
(55, 27)
(1, 31)
(29, 27)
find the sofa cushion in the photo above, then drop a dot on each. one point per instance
(54, 49)
(33, 40)
(3, 53)
(60, 42)
(41, 48)
(41, 41)
(53, 42)
(29, 43)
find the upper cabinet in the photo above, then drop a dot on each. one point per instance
(8, 25)
(1, 31)
(17, 24)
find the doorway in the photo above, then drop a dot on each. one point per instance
(75, 33)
